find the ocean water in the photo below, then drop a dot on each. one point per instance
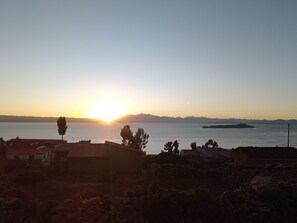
(160, 133)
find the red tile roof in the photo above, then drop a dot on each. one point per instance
(27, 150)
(40, 141)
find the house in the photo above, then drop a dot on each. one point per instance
(124, 160)
(25, 153)
(34, 142)
(264, 155)
(30, 150)
(84, 158)
(101, 158)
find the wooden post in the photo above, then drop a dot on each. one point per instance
(288, 135)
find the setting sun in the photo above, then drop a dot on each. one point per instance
(107, 110)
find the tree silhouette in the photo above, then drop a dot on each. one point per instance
(175, 145)
(127, 135)
(172, 147)
(194, 145)
(62, 126)
(211, 142)
(168, 146)
(137, 141)
(140, 139)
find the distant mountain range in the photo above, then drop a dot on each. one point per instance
(10, 118)
(191, 119)
(148, 118)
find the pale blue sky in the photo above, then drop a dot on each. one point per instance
(224, 58)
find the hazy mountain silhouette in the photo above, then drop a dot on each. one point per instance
(10, 118)
(191, 119)
(148, 118)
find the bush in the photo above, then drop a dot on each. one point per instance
(165, 157)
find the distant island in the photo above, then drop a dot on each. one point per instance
(239, 126)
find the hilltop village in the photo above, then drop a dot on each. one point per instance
(52, 180)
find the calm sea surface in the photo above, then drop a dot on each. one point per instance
(160, 133)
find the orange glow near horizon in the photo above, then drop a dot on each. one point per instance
(107, 110)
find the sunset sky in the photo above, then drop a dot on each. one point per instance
(223, 58)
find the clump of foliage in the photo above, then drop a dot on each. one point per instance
(209, 143)
(62, 126)
(137, 141)
(193, 145)
(172, 147)
(170, 154)
(212, 143)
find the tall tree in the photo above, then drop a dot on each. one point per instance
(168, 146)
(194, 145)
(62, 126)
(140, 139)
(175, 145)
(172, 147)
(127, 135)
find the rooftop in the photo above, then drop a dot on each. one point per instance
(83, 149)
(27, 150)
(35, 141)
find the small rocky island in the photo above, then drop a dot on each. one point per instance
(242, 125)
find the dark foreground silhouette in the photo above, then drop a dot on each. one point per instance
(170, 188)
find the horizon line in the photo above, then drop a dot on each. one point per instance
(148, 114)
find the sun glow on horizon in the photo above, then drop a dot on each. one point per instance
(107, 110)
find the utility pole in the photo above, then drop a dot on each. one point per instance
(288, 135)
